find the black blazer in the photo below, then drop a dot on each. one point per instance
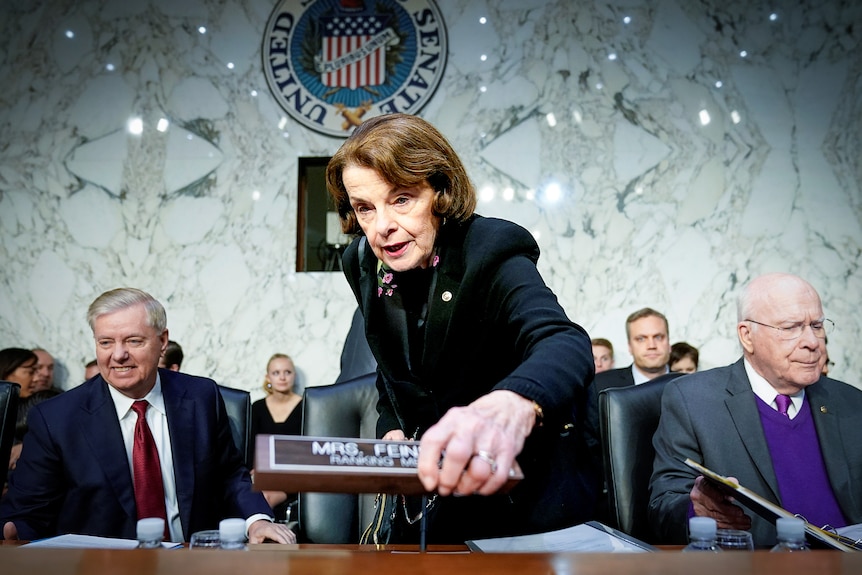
(73, 475)
(492, 323)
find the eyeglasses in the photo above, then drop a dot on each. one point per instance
(820, 329)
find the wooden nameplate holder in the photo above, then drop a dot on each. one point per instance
(342, 465)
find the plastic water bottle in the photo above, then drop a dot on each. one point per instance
(232, 533)
(150, 532)
(701, 533)
(791, 535)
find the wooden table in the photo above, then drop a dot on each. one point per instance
(300, 560)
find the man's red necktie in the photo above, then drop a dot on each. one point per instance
(149, 489)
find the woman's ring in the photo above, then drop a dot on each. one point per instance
(487, 458)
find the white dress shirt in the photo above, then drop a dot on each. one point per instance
(158, 421)
(767, 393)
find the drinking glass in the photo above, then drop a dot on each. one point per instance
(205, 540)
(734, 540)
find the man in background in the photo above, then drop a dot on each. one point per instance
(771, 420)
(603, 354)
(647, 334)
(172, 358)
(91, 369)
(43, 378)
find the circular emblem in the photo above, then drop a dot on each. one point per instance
(333, 63)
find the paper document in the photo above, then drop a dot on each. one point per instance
(771, 511)
(91, 542)
(587, 537)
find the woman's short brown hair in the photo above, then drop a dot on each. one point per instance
(406, 151)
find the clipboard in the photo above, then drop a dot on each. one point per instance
(770, 511)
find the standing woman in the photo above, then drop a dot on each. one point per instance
(476, 358)
(279, 413)
(19, 366)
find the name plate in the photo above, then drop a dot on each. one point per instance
(341, 465)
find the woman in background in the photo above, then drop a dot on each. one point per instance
(684, 357)
(19, 366)
(279, 413)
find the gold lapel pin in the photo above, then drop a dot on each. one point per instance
(823, 409)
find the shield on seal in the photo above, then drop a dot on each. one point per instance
(354, 47)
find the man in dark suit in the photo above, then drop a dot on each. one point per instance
(771, 421)
(75, 474)
(647, 334)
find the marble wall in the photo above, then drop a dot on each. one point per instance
(662, 152)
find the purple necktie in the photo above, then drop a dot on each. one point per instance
(783, 402)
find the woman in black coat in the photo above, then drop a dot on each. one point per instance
(476, 358)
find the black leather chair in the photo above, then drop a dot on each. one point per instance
(237, 402)
(8, 415)
(628, 419)
(346, 409)
(356, 356)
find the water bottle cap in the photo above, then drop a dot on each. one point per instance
(702, 527)
(151, 528)
(232, 529)
(791, 528)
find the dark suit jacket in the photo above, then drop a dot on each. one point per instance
(620, 377)
(712, 417)
(492, 323)
(73, 475)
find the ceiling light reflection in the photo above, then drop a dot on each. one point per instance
(162, 125)
(551, 119)
(704, 117)
(735, 117)
(202, 29)
(135, 126)
(486, 194)
(70, 34)
(508, 194)
(553, 193)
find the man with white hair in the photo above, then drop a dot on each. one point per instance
(133, 442)
(771, 420)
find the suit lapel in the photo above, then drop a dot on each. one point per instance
(742, 406)
(825, 413)
(444, 298)
(99, 424)
(394, 351)
(181, 425)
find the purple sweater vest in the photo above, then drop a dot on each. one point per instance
(803, 485)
